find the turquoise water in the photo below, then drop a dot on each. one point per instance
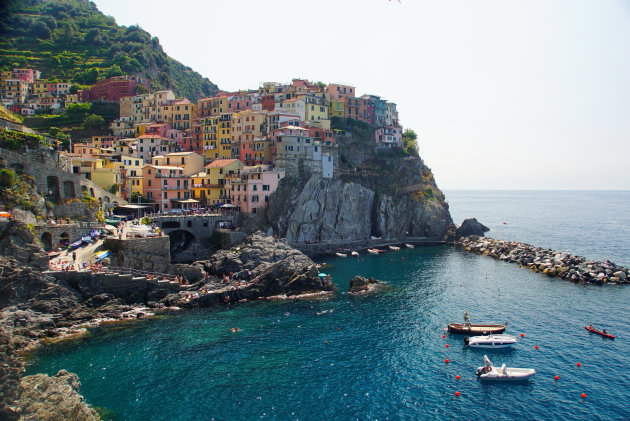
(371, 357)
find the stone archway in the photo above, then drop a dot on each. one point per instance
(180, 240)
(52, 191)
(64, 238)
(46, 240)
(68, 190)
(170, 224)
(17, 167)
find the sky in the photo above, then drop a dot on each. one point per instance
(504, 94)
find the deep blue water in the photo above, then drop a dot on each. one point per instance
(373, 357)
(593, 224)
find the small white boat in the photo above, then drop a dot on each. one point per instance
(409, 246)
(354, 253)
(373, 251)
(341, 254)
(394, 248)
(490, 341)
(503, 373)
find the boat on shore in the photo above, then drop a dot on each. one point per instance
(603, 332)
(394, 248)
(503, 373)
(475, 330)
(490, 341)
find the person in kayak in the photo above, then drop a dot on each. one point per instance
(604, 332)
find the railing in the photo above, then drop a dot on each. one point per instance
(130, 271)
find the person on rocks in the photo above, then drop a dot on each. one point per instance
(74, 256)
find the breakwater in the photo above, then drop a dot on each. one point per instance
(546, 261)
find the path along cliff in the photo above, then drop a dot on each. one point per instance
(380, 192)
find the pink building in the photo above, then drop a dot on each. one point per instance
(336, 91)
(27, 75)
(252, 189)
(238, 103)
(167, 186)
(389, 137)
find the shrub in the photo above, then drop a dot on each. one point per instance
(7, 178)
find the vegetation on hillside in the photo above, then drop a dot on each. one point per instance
(15, 140)
(17, 191)
(72, 40)
(10, 116)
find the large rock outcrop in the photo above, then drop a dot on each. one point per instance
(273, 267)
(375, 192)
(53, 398)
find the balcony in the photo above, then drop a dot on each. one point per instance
(169, 176)
(174, 188)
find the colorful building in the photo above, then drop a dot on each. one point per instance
(167, 186)
(210, 185)
(252, 189)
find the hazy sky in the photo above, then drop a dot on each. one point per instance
(504, 94)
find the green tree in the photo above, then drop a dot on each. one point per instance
(41, 30)
(410, 142)
(114, 70)
(93, 121)
(7, 178)
(78, 109)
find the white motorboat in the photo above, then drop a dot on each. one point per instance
(503, 373)
(409, 246)
(354, 253)
(341, 254)
(490, 341)
(394, 248)
(373, 251)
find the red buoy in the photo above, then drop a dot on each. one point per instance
(579, 364)
(444, 336)
(338, 328)
(447, 361)
(536, 347)
(583, 395)
(522, 335)
(556, 377)
(447, 345)
(457, 377)
(457, 393)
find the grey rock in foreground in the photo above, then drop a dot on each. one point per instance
(548, 262)
(53, 398)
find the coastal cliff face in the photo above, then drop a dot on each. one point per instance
(375, 192)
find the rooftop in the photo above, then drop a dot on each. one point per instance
(219, 163)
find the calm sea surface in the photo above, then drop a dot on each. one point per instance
(382, 356)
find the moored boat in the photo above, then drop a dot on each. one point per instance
(475, 330)
(503, 373)
(354, 253)
(394, 248)
(373, 251)
(602, 332)
(341, 254)
(409, 246)
(490, 341)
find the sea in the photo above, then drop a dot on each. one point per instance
(383, 356)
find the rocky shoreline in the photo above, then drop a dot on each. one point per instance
(36, 309)
(548, 262)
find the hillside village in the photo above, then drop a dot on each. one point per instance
(232, 148)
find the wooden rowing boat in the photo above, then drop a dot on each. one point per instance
(470, 329)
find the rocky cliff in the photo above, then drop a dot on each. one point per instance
(375, 192)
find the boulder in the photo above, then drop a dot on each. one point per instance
(361, 285)
(53, 398)
(471, 227)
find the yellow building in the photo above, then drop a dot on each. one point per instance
(107, 174)
(315, 109)
(132, 175)
(209, 185)
(224, 136)
(40, 87)
(337, 108)
(213, 106)
(190, 162)
(180, 115)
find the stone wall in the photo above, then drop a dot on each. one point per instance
(52, 181)
(50, 235)
(147, 254)
(117, 283)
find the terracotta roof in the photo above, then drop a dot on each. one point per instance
(220, 163)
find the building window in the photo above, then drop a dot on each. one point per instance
(265, 187)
